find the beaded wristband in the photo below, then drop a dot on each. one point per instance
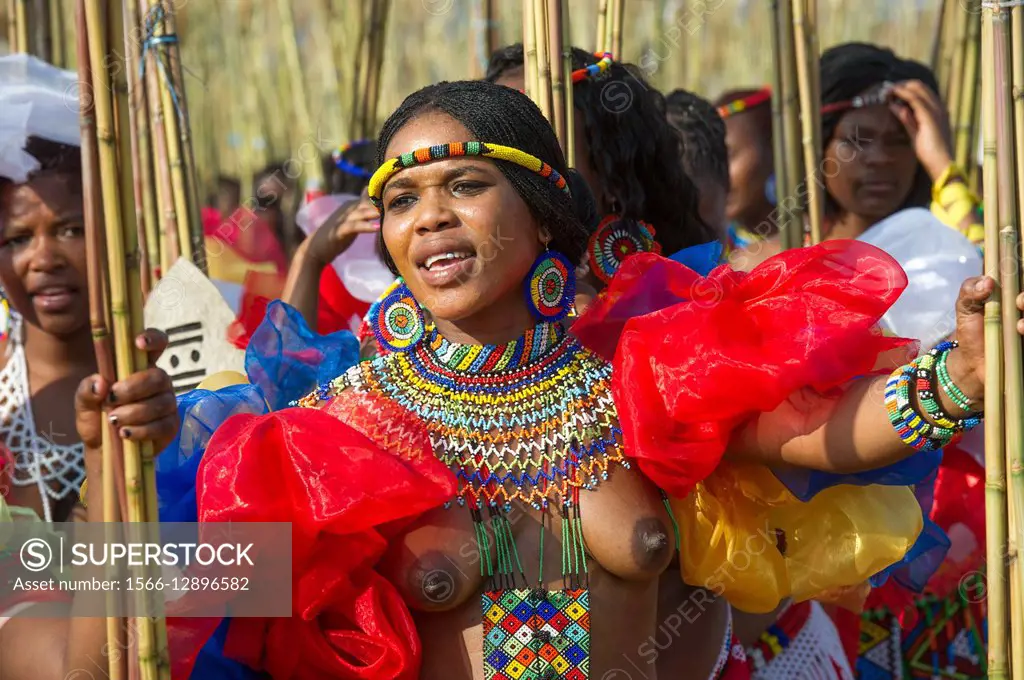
(912, 429)
(947, 385)
(926, 389)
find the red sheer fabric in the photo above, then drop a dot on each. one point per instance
(337, 310)
(249, 234)
(344, 495)
(694, 356)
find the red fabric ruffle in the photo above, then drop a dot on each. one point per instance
(694, 357)
(959, 499)
(339, 490)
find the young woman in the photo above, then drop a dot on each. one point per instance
(705, 153)
(494, 406)
(52, 405)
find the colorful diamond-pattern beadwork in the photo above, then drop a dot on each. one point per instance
(529, 633)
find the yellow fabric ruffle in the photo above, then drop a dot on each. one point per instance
(734, 524)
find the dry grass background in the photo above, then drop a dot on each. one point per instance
(245, 109)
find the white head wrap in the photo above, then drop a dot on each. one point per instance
(36, 100)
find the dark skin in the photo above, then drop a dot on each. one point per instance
(750, 165)
(465, 205)
(875, 153)
(42, 266)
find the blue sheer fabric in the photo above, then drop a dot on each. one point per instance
(284, 361)
(701, 259)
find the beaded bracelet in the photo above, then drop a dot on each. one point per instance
(911, 426)
(926, 388)
(947, 385)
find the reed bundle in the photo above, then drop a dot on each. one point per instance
(1004, 393)
(967, 110)
(116, 289)
(367, 84)
(548, 66)
(782, 181)
(1012, 254)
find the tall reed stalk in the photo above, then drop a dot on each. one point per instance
(170, 247)
(21, 25)
(540, 24)
(377, 68)
(530, 37)
(995, 420)
(783, 184)
(1017, 41)
(810, 103)
(791, 201)
(570, 108)
(602, 27)
(300, 97)
(618, 17)
(958, 57)
(555, 69)
(123, 287)
(145, 209)
(1009, 75)
(55, 16)
(966, 141)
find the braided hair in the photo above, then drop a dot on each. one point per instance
(501, 115)
(703, 131)
(849, 70)
(632, 147)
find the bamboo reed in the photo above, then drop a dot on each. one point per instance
(787, 228)
(995, 442)
(377, 66)
(806, 64)
(540, 23)
(555, 69)
(790, 203)
(114, 497)
(195, 226)
(170, 248)
(111, 112)
(362, 62)
(492, 39)
(21, 25)
(618, 18)
(170, 102)
(602, 27)
(1009, 74)
(958, 55)
(942, 52)
(1017, 41)
(312, 170)
(570, 107)
(966, 142)
(145, 210)
(55, 16)
(530, 79)
(11, 15)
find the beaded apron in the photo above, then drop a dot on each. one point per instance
(948, 640)
(529, 422)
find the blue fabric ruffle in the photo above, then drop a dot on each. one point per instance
(284, 361)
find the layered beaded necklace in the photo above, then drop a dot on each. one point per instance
(531, 421)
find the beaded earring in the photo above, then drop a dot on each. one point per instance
(398, 322)
(614, 240)
(5, 316)
(551, 286)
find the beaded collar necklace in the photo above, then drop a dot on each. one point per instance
(530, 421)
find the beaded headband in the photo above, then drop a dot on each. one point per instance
(338, 156)
(750, 101)
(454, 150)
(883, 95)
(603, 64)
